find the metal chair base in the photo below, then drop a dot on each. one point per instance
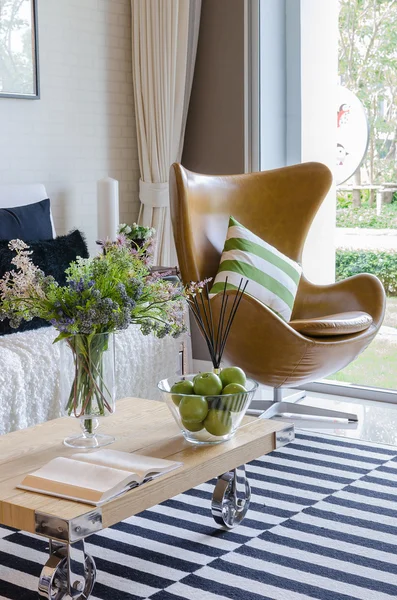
(279, 407)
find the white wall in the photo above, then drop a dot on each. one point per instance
(83, 126)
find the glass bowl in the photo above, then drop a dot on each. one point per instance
(223, 417)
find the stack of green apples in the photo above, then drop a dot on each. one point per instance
(210, 401)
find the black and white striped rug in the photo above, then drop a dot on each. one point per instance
(322, 524)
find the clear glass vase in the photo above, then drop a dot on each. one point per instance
(87, 385)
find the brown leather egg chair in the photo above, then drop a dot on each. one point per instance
(279, 207)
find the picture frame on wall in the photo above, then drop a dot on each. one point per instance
(19, 57)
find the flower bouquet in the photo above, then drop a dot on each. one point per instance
(103, 295)
(140, 238)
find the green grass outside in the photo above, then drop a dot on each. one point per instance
(377, 365)
(366, 217)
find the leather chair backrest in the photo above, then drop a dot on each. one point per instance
(278, 206)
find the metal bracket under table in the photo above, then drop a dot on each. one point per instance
(70, 571)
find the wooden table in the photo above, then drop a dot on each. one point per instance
(142, 426)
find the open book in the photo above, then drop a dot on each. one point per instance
(97, 477)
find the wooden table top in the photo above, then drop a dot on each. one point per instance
(142, 426)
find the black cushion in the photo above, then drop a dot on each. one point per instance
(30, 222)
(53, 257)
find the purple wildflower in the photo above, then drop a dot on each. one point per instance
(196, 287)
(122, 240)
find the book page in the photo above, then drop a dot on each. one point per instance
(67, 477)
(141, 466)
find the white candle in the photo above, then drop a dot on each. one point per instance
(108, 208)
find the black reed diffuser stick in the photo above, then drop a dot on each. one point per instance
(215, 334)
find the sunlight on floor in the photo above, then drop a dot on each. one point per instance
(377, 421)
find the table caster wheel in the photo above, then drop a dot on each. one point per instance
(231, 498)
(55, 583)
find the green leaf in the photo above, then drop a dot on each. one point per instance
(62, 336)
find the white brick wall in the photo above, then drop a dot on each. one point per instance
(83, 127)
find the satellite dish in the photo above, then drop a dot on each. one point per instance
(352, 134)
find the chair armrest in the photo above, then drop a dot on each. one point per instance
(172, 273)
(271, 351)
(362, 292)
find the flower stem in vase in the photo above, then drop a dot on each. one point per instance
(91, 395)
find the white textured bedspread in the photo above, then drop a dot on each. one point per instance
(29, 373)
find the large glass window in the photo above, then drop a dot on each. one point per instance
(327, 83)
(366, 210)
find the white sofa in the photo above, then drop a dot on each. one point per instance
(29, 373)
(29, 361)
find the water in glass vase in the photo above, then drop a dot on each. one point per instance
(87, 380)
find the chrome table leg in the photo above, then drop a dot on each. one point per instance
(231, 498)
(69, 573)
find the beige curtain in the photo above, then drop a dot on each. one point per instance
(164, 44)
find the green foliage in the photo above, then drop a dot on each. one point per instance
(368, 67)
(343, 200)
(381, 263)
(103, 294)
(136, 232)
(366, 217)
(365, 196)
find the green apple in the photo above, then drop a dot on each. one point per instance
(232, 375)
(207, 384)
(233, 388)
(236, 402)
(184, 387)
(218, 422)
(193, 409)
(193, 426)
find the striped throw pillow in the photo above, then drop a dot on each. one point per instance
(273, 278)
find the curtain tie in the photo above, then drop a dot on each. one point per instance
(154, 195)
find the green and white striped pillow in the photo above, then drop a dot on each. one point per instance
(273, 278)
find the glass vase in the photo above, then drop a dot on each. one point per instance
(87, 385)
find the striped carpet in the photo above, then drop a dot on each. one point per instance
(322, 524)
